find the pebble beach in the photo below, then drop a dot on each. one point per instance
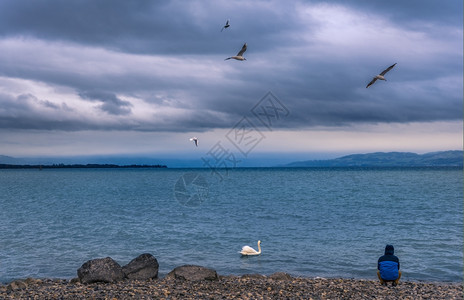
(275, 286)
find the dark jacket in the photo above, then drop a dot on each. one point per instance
(388, 264)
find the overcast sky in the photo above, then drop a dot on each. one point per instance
(87, 77)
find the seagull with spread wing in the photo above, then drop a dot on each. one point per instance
(226, 26)
(380, 76)
(195, 140)
(239, 55)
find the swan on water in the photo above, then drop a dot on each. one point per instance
(381, 75)
(239, 55)
(247, 250)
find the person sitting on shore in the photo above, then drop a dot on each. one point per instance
(388, 267)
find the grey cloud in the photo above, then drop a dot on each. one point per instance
(409, 12)
(162, 27)
(111, 103)
(78, 21)
(140, 27)
(167, 26)
(318, 88)
(24, 103)
(20, 113)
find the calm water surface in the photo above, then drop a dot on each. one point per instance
(312, 222)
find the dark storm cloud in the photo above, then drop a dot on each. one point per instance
(88, 22)
(111, 103)
(170, 55)
(128, 26)
(408, 12)
(169, 26)
(26, 111)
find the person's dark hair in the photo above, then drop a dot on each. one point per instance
(389, 250)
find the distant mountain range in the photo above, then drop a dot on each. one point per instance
(377, 159)
(80, 166)
(389, 159)
(8, 159)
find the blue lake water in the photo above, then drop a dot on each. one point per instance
(312, 222)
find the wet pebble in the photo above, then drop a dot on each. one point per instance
(280, 286)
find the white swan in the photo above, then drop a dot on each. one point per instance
(195, 140)
(239, 55)
(247, 250)
(381, 75)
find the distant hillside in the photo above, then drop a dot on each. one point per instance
(9, 160)
(388, 159)
(80, 166)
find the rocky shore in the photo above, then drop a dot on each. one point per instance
(104, 278)
(275, 286)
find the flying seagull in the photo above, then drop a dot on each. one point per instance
(381, 75)
(239, 55)
(195, 140)
(226, 26)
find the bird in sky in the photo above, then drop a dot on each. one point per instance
(380, 76)
(239, 55)
(226, 26)
(195, 140)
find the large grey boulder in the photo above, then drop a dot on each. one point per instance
(100, 270)
(143, 267)
(193, 273)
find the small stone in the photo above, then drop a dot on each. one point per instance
(16, 285)
(253, 276)
(280, 276)
(75, 280)
(29, 281)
